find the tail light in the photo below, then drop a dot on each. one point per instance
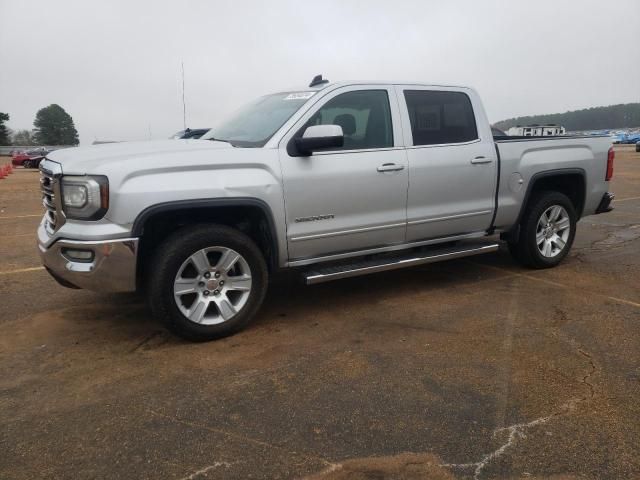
(610, 157)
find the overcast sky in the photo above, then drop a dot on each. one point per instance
(115, 65)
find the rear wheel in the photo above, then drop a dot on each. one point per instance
(547, 231)
(27, 164)
(207, 282)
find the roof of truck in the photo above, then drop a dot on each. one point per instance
(319, 83)
(344, 83)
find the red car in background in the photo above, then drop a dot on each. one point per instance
(18, 158)
(28, 159)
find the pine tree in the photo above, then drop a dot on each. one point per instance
(54, 126)
(4, 130)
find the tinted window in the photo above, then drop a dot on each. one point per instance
(440, 117)
(364, 115)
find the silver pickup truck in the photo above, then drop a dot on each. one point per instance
(340, 179)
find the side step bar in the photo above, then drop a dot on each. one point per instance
(366, 267)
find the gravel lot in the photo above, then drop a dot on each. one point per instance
(467, 368)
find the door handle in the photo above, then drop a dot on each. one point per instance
(390, 167)
(480, 160)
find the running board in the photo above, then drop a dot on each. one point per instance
(412, 259)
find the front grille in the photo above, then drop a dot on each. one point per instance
(48, 199)
(50, 188)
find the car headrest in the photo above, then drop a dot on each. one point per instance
(347, 122)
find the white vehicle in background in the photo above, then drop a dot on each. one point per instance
(536, 131)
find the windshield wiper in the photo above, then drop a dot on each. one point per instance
(220, 140)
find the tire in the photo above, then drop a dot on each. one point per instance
(543, 242)
(184, 268)
(27, 164)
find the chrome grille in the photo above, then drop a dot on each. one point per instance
(50, 188)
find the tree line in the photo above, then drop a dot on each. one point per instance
(596, 118)
(52, 126)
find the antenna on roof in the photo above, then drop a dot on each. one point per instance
(317, 80)
(184, 105)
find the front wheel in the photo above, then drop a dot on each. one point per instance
(547, 231)
(27, 164)
(207, 282)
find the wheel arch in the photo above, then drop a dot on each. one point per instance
(250, 215)
(569, 181)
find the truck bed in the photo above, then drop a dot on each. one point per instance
(524, 159)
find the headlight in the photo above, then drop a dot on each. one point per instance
(85, 198)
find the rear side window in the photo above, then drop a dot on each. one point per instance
(440, 117)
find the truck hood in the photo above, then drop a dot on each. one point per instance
(126, 157)
(143, 174)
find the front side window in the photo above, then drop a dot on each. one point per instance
(255, 124)
(439, 117)
(364, 115)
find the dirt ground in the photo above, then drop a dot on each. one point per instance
(471, 368)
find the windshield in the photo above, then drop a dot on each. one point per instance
(256, 123)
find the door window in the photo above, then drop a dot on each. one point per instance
(364, 115)
(439, 117)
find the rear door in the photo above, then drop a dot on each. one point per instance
(452, 162)
(350, 198)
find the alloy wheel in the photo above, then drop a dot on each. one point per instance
(552, 231)
(212, 285)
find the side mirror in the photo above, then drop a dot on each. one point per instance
(319, 137)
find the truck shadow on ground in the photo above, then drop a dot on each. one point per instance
(290, 303)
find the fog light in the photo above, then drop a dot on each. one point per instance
(78, 255)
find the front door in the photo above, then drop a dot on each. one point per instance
(352, 198)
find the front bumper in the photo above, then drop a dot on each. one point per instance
(111, 269)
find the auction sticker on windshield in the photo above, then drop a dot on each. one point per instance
(299, 96)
